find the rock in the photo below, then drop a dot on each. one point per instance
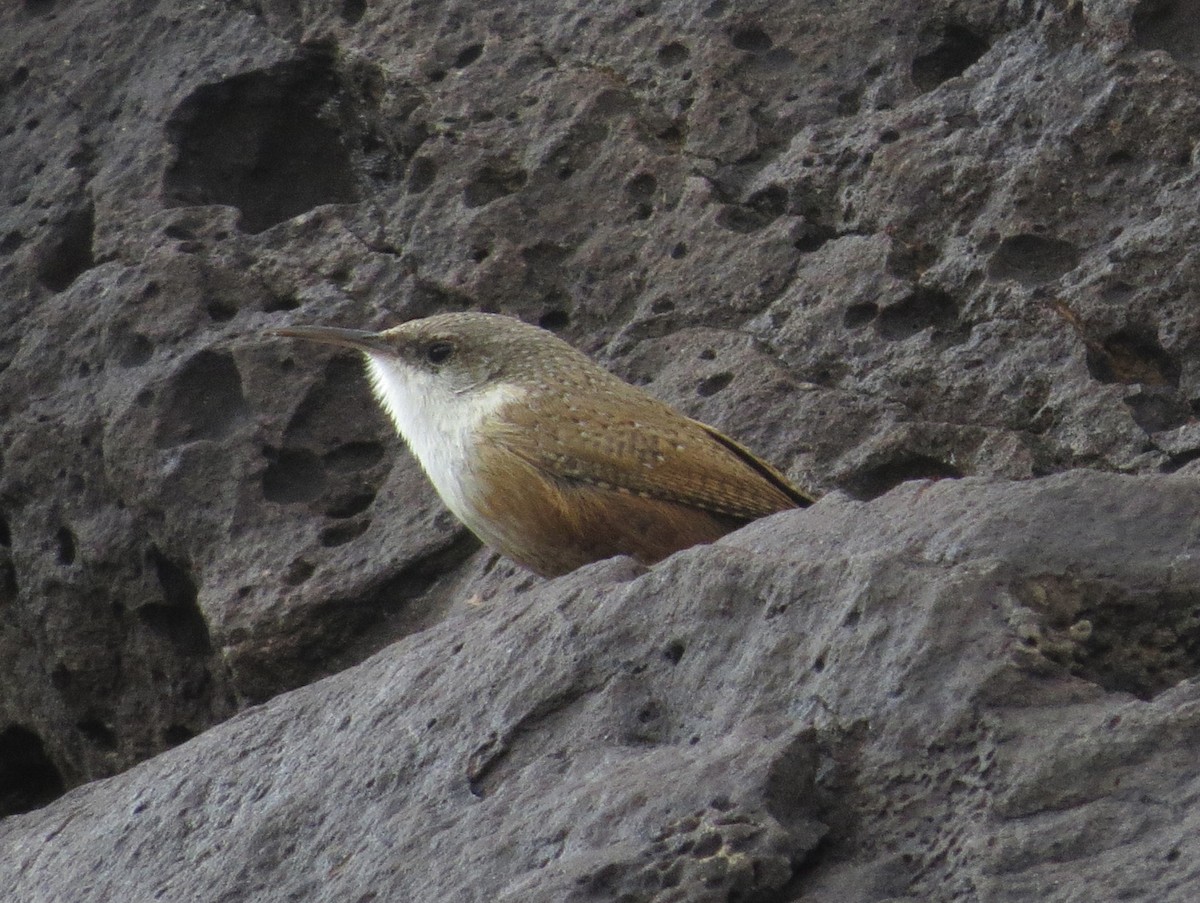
(961, 690)
(878, 242)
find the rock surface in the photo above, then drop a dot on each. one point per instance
(962, 690)
(877, 242)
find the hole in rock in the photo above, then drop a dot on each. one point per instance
(468, 55)
(340, 534)
(338, 410)
(491, 184)
(28, 777)
(642, 186)
(354, 456)
(264, 142)
(1130, 356)
(353, 11)
(924, 308)
(1032, 259)
(134, 350)
(1125, 640)
(909, 259)
(1158, 408)
(350, 505)
(673, 54)
(752, 39)
(760, 209)
(97, 733)
(178, 617)
(69, 252)
(713, 384)
(11, 241)
(849, 102)
(1170, 25)
(421, 174)
(66, 546)
(789, 786)
(882, 478)
(204, 401)
(298, 572)
(812, 237)
(220, 311)
(175, 734)
(296, 475)
(39, 7)
(954, 51)
(859, 315)
(279, 303)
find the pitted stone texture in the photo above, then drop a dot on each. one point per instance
(915, 698)
(879, 242)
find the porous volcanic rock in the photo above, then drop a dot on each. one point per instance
(964, 690)
(879, 242)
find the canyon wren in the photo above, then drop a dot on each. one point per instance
(548, 458)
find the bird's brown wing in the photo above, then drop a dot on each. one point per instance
(553, 525)
(616, 437)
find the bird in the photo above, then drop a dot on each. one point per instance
(547, 457)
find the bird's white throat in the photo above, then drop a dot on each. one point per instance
(439, 425)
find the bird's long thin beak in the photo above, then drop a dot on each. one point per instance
(358, 339)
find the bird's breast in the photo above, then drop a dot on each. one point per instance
(442, 428)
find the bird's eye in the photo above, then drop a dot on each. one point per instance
(439, 352)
